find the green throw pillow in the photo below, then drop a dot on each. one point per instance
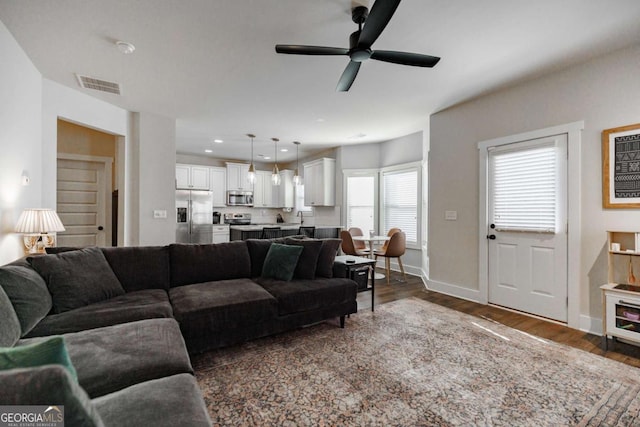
(281, 261)
(49, 352)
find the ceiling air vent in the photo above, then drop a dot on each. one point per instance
(97, 84)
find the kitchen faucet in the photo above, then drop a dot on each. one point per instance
(301, 217)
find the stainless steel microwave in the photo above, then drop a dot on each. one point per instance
(239, 198)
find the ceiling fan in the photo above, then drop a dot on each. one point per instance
(360, 44)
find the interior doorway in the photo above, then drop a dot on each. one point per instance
(86, 185)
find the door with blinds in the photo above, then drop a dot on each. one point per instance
(527, 230)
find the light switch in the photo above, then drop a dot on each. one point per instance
(451, 215)
(159, 214)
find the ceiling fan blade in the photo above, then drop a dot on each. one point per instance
(296, 49)
(405, 58)
(348, 76)
(378, 18)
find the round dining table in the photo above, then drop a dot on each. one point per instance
(372, 240)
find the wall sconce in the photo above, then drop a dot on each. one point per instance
(39, 227)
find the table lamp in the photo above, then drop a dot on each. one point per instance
(38, 225)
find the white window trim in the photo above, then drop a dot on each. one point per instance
(379, 212)
(574, 138)
(396, 168)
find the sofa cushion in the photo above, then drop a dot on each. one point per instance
(206, 263)
(170, 401)
(305, 295)
(49, 385)
(140, 305)
(140, 267)
(77, 278)
(10, 330)
(281, 261)
(204, 308)
(308, 261)
(28, 293)
(50, 351)
(258, 249)
(327, 256)
(112, 358)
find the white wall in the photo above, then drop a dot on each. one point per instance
(154, 142)
(405, 149)
(604, 92)
(20, 141)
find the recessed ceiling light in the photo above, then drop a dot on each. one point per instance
(218, 141)
(266, 157)
(125, 47)
(357, 136)
(208, 151)
(284, 150)
(320, 120)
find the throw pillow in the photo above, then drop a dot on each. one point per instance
(28, 293)
(281, 261)
(50, 385)
(49, 352)
(327, 256)
(258, 249)
(306, 268)
(9, 324)
(78, 278)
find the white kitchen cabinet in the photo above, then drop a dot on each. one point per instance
(285, 196)
(320, 182)
(263, 191)
(192, 177)
(237, 177)
(220, 233)
(218, 186)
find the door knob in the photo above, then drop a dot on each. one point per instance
(100, 228)
(491, 237)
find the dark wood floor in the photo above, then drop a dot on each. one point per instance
(414, 287)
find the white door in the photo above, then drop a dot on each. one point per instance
(84, 202)
(527, 231)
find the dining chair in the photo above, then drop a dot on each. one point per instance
(271, 232)
(395, 249)
(359, 244)
(309, 231)
(348, 246)
(390, 233)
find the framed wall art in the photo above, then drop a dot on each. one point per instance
(621, 167)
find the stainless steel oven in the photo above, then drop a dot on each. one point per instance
(239, 198)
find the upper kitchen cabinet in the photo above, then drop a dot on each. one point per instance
(218, 186)
(320, 182)
(237, 177)
(285, 190)
(192, 177)
(264, 195)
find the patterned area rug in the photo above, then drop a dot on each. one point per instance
(415, 363)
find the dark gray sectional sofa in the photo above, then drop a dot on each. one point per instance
(130, 317)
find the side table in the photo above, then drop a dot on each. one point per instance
(349, 266)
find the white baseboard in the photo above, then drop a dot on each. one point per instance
(453, 290)
(592, 325)
(409, 269)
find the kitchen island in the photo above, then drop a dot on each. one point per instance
(254, 231)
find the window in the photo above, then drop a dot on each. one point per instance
(360, 203)
(400, 201)
(523, 184)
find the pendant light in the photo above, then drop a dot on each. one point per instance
(297, 179)
(275, 175)
(251, 174)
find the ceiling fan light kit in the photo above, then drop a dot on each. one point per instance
(360, 43)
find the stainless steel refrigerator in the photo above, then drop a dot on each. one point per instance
(194, 216)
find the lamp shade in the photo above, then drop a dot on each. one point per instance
(39, 221)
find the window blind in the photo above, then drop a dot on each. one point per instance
(400, 202)
(361, 202)
(524, 189)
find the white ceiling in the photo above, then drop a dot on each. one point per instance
(211, 64)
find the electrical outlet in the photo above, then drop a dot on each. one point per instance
(451, 215)
(160, 214)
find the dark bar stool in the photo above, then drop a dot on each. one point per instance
(271, 232)
(309, 231)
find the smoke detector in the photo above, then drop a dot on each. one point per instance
(125, 47)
